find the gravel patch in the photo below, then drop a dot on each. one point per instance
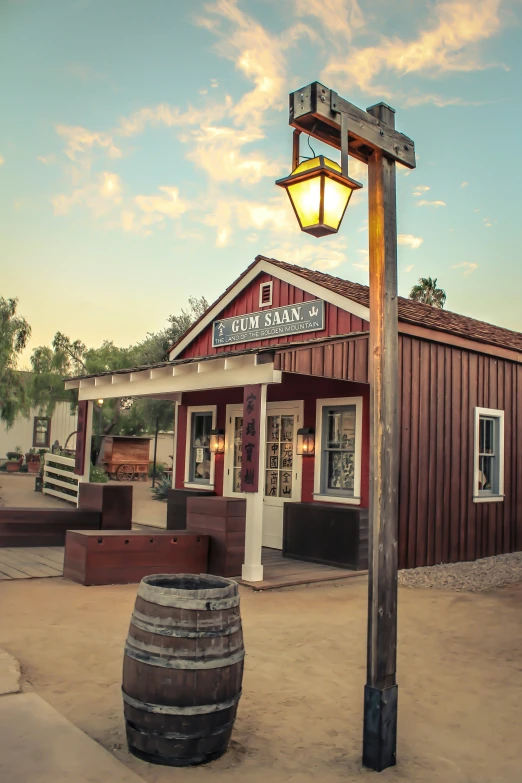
(477, 576)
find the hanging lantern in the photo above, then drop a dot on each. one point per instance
(217, 441)
(305, 441)
(319, 189)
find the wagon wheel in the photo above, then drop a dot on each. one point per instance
(125, 473)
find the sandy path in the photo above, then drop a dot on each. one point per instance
(460, 680)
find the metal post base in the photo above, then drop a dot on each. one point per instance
(380, 727)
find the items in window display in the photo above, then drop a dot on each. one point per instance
(201, 429)
(274, 462)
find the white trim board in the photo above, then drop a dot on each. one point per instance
(287, 277)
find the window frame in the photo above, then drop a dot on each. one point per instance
(486, 495)
(270, 285)
(47, 443)
(320, 493)
(194, 483)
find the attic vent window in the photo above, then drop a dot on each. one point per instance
(265, 294)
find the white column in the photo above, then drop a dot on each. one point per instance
(88, 444)
(175, 444)
(252, 569)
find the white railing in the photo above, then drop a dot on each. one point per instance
(59, 478)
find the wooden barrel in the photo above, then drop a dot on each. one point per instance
(183, 668)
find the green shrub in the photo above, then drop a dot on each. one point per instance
(98, 475)
(160, 468)
(163, 484)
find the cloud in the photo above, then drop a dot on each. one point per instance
(79, 140)
(169, 205)
(228, 215)
(420, 189)
(2, 160)
(311, 254)
(99, 197)
(487, 222)
(438, 101)
(47, 160)
(468, 266)
(364, 263)
(464, 184)
(410, 241)
(340, 18)
(408, 268)
(424, 203)
(447, 43)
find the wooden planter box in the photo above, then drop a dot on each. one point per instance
(110, 557)
(223, 520)
(177, 506)
(326, 533)
(43, 527)
(113, 502)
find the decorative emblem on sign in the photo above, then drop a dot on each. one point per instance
(278, 321)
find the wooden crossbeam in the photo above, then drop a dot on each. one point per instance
(315, 110)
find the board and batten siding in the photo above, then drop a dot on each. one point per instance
(440, 387)
(63, 423)
(337, 321)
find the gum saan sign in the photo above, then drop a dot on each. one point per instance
(279, 321)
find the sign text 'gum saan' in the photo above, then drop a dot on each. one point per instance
(291, 319)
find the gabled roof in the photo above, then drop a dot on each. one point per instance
(410, 312)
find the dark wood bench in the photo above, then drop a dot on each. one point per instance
(177, 506)
(43, 527)
(110, 557)
(113, 502)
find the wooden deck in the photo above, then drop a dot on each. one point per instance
(281, 571)
(31, 562)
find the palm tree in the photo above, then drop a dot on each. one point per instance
(426, 291)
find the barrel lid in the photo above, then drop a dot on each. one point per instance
(187, 587)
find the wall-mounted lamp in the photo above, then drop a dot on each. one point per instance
(217, 441)
(305, 441)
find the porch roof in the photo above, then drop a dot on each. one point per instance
(344, 357)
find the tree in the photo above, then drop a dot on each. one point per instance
(14, 334)
(426, 291)
(69, 358)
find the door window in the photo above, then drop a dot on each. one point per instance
(279, 456)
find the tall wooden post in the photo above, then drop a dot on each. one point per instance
(380, 694)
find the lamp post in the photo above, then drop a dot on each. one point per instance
(369, 136)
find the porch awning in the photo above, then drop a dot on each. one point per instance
(344, 358)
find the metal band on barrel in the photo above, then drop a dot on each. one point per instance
(155, 595)
(169, 663)
(164, 630)
(164, 709)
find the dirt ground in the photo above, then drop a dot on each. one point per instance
(460, 679)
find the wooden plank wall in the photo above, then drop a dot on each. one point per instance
(337, 321)
(344, 360)
(440, 388)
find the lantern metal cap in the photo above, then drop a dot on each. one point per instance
(318, 165)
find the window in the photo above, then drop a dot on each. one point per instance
(489, 455)
(265, 294)
(338, 450)
(41, 432)
(199, 460)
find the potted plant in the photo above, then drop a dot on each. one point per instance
(14, 460)
(33, 461)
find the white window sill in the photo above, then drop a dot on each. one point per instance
(195, 485)
(336, 499)
(488, 498)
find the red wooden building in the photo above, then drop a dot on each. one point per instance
(300, 338)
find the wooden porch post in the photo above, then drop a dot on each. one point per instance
(252, 570)
(380, 695)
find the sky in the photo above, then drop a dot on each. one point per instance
(140, 141)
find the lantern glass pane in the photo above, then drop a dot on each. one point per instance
(306, 198)
(336, 196)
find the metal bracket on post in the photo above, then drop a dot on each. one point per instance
(344, 132)
(295, 149)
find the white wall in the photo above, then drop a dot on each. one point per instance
(21, 433)
(165, 448)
